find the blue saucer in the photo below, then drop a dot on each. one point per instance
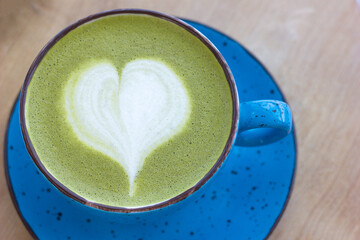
(245, 201)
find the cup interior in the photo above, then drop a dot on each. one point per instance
(183, 195)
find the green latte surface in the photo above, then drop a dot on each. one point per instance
(171, 168)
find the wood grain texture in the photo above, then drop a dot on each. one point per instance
(311, 47)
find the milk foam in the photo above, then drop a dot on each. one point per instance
(127, 118)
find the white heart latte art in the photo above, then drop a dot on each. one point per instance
(127, 118)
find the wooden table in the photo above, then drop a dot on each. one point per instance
(311, 47)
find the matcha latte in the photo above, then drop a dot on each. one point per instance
(128, 110)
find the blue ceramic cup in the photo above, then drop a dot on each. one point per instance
(254, 123)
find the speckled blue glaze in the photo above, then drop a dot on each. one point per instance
(263, 122)
(243, 201)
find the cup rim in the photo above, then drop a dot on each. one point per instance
(66, 191)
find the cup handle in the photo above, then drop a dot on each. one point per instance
(263, 122)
